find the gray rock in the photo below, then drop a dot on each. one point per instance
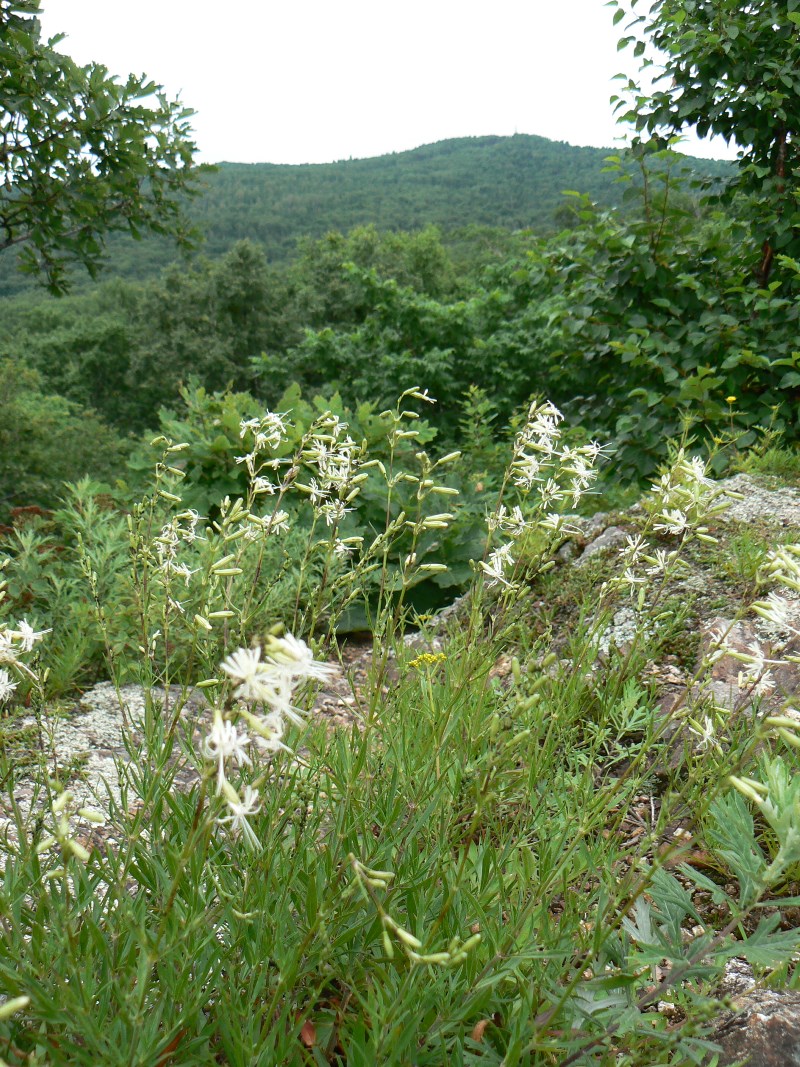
(91, 739)
(611, 537)
(778, 507)
(762, 1031)
(753, 636)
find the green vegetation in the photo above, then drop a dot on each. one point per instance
(82, 154)
(474, 189)
(637, 324)
(507, 849)
(732, 71)
(472, 870)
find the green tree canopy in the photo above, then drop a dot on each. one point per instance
(81, 153)
(731, 69)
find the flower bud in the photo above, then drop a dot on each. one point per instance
(12, 1006)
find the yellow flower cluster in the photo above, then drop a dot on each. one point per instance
(428, 659)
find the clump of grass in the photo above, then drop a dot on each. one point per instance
(479, 870)
(772, 457)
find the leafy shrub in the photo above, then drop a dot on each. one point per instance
(211, 427)
(46, 440)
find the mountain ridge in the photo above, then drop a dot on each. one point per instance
(509, 182)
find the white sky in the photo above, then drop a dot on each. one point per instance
(311, 81)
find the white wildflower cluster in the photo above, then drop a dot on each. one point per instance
(326, 449)
(539, 462)
(335, 459)
(685, 498)
(264, 681)
(499, 563)
(266, 433)
(512, 522)
(548, 473)
(181, 530)
(14, 645)
(757, 677)
(680, 502)
(782, 565)
(718, 645)
(775, 609)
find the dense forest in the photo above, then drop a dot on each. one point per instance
(462, 186)
(634, 317)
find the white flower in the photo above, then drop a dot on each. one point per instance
(268, 431)
(271, 681)
(317, 494)
(189, 531)
(263, 485)
(579, 462)
(757, 660)
(271, 729)
(7, 687)
(499, 560)
(180, 570)
(243, 664)
(630, 578)
(494, 520)
(526, 469)
(695, 470)
(541, 428)
(224, 743)
(550, 492)
(555, 522)
(674, 521)
(632, 548)
(279, 523)
(267, 685)
(28, 636)
(704, 732)
(241, 809)
(248, 425)
(757, 674)
(761, 683)
(275, 690)
(334, 511)
(774, 609)
(249, 461)
(659, 562)
(294, 659)
(513, 523)
(8, 654)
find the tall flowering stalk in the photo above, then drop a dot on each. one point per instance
(546, 473)
(262, 681)
(16, 643)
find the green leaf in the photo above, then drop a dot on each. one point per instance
(763, 948)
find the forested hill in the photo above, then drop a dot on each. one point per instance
(511, 182)
(508, 182)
